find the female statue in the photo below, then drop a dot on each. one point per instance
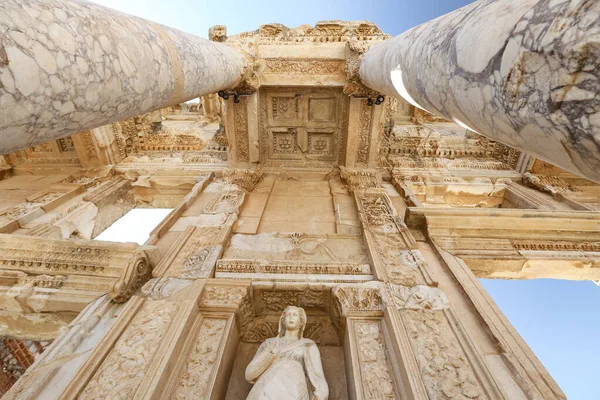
(281, 365)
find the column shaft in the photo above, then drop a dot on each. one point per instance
(68, 65)
(524, 73)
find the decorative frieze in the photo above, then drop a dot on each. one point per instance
(116, 268)
(240, 127)
(290, 267)
(304, 66)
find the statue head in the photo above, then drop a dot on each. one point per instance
(292, 318)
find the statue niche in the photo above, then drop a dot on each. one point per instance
(281, 365)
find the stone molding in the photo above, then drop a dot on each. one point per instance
(90, 267)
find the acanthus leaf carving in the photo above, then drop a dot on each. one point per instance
(359, 299)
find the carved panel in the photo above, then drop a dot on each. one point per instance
(418, 297)
(445, 369)
(304, 66)
(285, 142)
(66, 145)
(240, 122)
(321, 144)
(303, 125)
(123, 369)
(284, 108)
(374, 363)
(364, 133)
(227, 202)
(361, 178)
(203, 359)
(322, 109)
(194, 254)
(222, 296)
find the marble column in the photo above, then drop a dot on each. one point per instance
(67, 66)
(525, 73)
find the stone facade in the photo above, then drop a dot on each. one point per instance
(297, 186)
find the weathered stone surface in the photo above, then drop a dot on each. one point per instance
(73, 66)
(523, 73)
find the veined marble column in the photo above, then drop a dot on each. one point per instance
(525, 73)
(67, 66)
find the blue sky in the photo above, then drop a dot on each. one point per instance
(393, 16)
(558, 319)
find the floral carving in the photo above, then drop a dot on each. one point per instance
(358, 299)
(418, 297)
(201, 365)
(223, 296)
(244, 178)
(372, 354)
(445, 368)
(285, 108)
(304, 66)
(123, 369)
(364, 133)
(377, 210)
(240, 123)
(228, 201)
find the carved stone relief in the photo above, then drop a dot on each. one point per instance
(376, 375)
(123, 369)
(244, 178)
(446, 371)
(301, 126)
(202, 360)
(364, 133)
(359, 299)
(240, 123)
(222, 296)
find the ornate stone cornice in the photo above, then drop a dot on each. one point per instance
(82, 265)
